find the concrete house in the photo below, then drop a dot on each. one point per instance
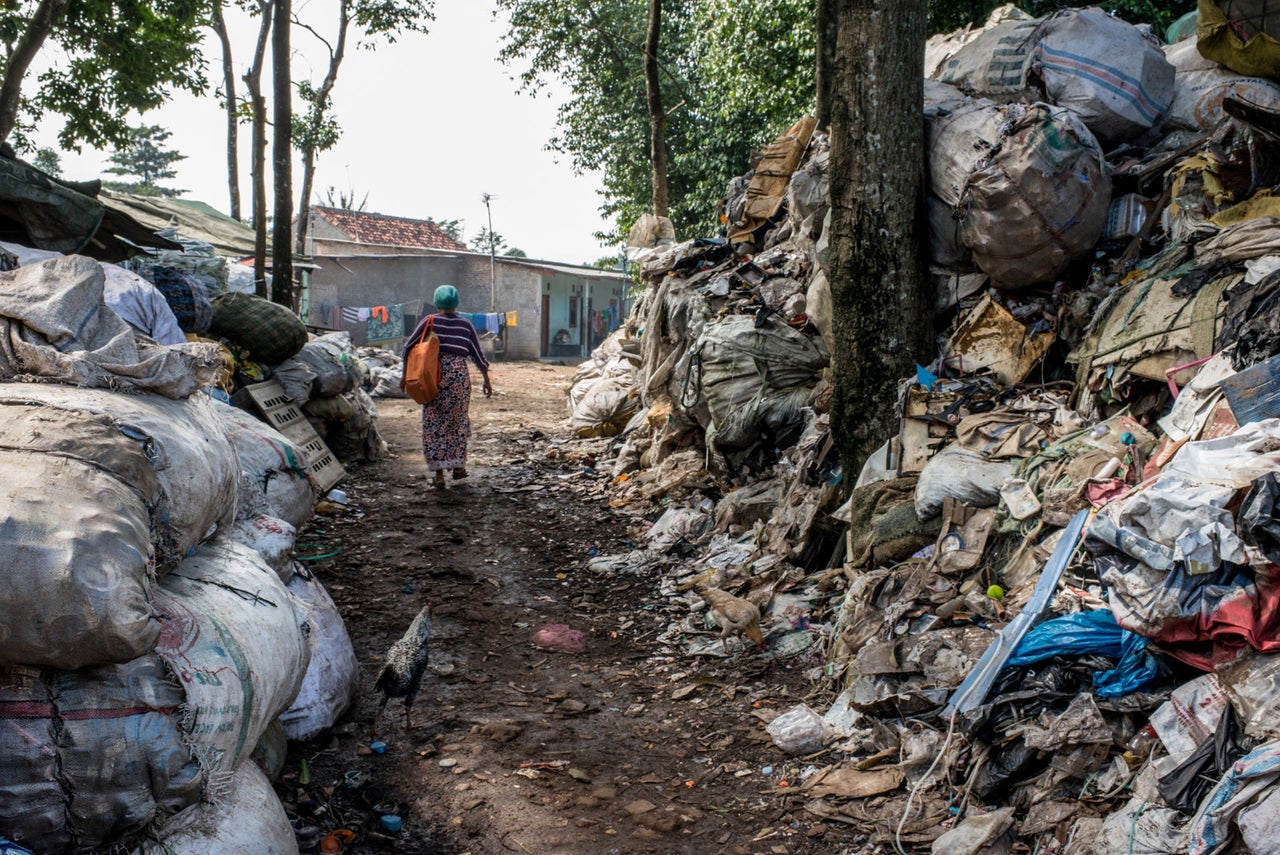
(368, 261)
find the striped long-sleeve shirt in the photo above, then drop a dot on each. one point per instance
(456, 334)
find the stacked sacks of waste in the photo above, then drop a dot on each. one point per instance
(147, 651)
(1050, 620)
(384, 371)
(602, 391)
(727, 456)
(326, 378)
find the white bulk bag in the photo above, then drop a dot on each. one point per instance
(236, 639)
(333, 677)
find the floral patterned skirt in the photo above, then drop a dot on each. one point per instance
(445, 423)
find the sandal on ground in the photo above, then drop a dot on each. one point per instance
(459, 474)
(438, 483)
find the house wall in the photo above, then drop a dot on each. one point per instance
(516, 289)
(375, 279)
(319, 229)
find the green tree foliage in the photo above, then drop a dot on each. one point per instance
(489, 243)
(516, 252)
(453, 228)
(316, 130)
(115, 57)
(734, 74)
(948, 15)
(48, 161)
(145, 157)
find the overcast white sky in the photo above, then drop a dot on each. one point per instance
(428, 125)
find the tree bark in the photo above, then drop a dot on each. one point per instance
(322, 105)
(282, 157)
(258, 158)
(219, 25)
(824, 50)
(657, 116)
(41, 24)
(881, 308)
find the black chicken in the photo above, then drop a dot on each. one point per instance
(401, 673)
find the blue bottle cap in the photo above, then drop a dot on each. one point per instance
(390, 823)
(378, 747)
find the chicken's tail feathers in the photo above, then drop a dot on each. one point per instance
(381, 683)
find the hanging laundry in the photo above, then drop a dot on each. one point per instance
(350, 315)
(512, 318)
(491, 323)
(385, 322)
(364, 313)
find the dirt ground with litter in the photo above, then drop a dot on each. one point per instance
(626, 748)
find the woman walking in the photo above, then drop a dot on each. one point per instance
(445, 423)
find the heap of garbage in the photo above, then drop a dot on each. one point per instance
(1045, 612)
(160, 642)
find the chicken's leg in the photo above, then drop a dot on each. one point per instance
(373, 728)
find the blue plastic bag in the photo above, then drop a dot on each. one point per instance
(1094, 632)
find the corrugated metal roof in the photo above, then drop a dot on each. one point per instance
(579, 270)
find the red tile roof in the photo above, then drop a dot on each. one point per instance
(385, 230)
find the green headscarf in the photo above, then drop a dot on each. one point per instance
(446, 298)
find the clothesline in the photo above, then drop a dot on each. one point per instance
(492, 323)
(381, 323)
(384, 323)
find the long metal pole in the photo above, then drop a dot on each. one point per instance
(493, 277)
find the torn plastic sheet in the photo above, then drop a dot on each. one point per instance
(1253, 685)
(1259, 523)
(973, 691)
(1249, 777)
(1191, 714)
(1202, 619)
(1190, 518)
(1233, 461)
(1094, 632)
(1186, 786)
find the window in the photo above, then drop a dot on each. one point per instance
(573, 311)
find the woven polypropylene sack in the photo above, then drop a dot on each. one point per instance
(236, 639)
(91, 756)
(269, 331)
(274, 477)
(249, 818)
(1039, 201)
(101, 491)
(333, 677)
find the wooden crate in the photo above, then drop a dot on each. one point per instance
(282, 415)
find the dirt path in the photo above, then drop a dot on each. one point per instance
(627, 748)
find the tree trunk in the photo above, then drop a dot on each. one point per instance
(219, 25)
(304, 201)
(881, 308)
(657, 116)
(258, 158)
(282, 158)
(322, 105)
(823, 49)
(41, 23)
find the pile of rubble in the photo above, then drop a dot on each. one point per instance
(1045, 611)
(160, 642)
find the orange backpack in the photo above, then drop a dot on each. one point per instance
(421, 379)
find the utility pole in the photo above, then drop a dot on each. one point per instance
(493, 265)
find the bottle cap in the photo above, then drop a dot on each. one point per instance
(390, 823)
